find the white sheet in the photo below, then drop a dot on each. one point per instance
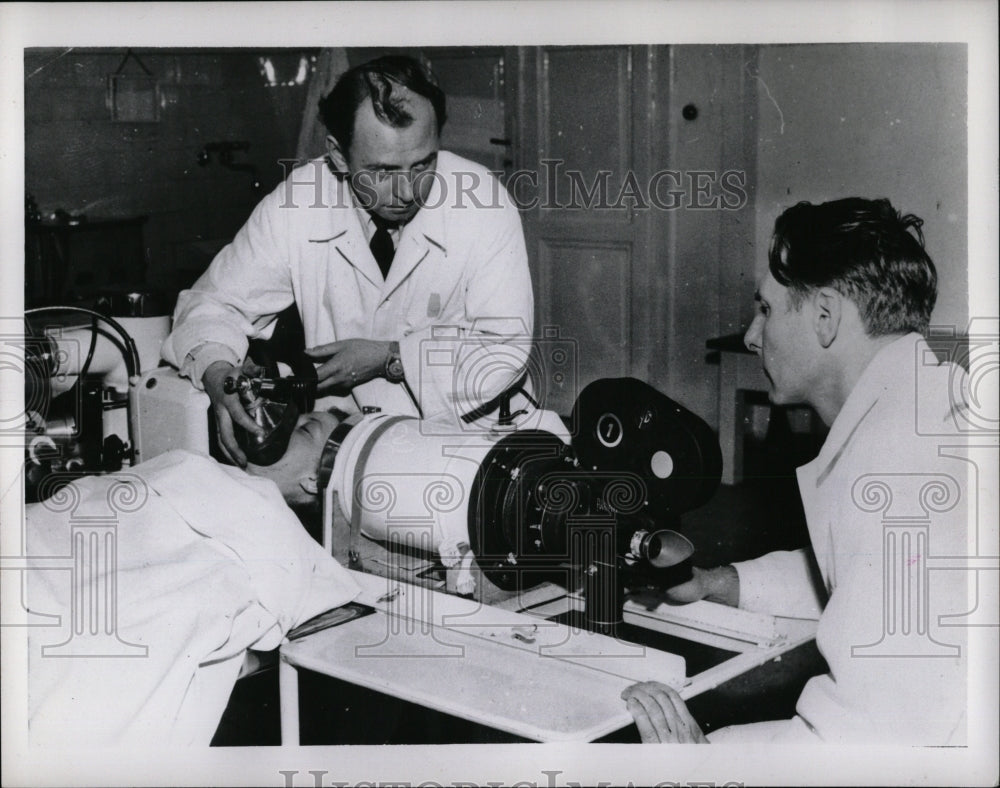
(210, 562)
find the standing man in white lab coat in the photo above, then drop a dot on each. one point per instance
(407, 265)
(842, 312)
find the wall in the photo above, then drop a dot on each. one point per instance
(78, 160)
(873, 120)
(703, 271)
(803, 122)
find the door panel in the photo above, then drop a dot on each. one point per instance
(591, 282)
(582, 115)
(585, 126)
(473, 80)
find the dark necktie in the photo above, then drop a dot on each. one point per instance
(382, 248)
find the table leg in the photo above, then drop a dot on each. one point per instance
(288, 688)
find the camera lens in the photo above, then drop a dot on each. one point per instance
(660, 549)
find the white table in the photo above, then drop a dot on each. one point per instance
(512, 671)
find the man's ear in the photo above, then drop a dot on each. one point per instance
(335, 155)
(309, 484)
(828, 310)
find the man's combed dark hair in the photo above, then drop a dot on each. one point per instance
(380, 81)
(865, 250)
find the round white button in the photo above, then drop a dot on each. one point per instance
(661, 464)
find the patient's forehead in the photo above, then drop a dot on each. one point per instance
(325, 417)
(318, 424)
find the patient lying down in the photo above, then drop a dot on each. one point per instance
(182, 564)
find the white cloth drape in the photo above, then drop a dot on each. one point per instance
(207, 562)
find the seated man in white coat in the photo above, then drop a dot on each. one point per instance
(180, 565)
(841, 313)
(406, 263)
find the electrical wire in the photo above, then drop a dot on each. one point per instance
(128, 349)
(130, 353)
(90, 352)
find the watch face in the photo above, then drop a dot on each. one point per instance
(394, 370)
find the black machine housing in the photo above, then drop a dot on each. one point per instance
(608, 504)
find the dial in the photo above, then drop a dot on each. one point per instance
(609, 430)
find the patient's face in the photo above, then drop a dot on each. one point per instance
(301, 458)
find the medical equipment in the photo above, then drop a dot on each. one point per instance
(274, 404)
(78, 365)
(168, 413)
(598, 507)
(95, 399)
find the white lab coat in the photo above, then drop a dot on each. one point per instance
(458, 296)
(871, 475)
(209, 562)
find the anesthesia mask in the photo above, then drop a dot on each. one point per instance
(274, 404)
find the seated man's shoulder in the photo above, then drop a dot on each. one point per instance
(910, 437)
(942, 397)
(919, 393)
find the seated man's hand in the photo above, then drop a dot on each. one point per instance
(228, 408)
(349, 363)
(660, 715)
(721, 584)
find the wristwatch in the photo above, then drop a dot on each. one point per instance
(394, 364)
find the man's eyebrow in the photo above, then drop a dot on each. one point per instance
(377, 165)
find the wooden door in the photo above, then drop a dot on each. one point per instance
(582, 116)
(474, 80)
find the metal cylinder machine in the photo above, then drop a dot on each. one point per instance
(593, 502)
